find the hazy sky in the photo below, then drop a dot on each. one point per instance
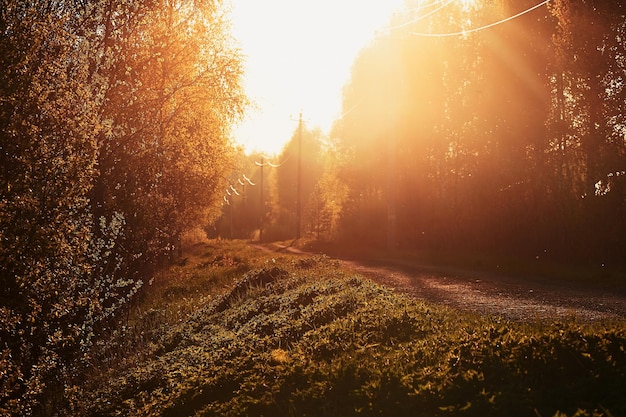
(298, 55)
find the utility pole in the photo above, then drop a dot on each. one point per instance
(391, 193)
(393, 96)
(299, 197)
(262, 214)
(231, 219)
(262, 202)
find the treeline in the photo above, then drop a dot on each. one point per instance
(508, 139)
(114, 139)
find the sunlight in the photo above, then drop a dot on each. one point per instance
(467, 4)
(298, 56)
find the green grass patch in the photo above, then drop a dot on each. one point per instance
(299, 336)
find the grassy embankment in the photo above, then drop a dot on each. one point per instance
(239, 332)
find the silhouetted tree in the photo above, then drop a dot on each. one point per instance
(491, 139)
(301, 153)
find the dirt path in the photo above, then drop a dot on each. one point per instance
(516, 298)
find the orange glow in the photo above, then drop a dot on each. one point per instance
(298, 57)
(467, 4)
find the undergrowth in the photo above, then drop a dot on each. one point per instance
(298, 336)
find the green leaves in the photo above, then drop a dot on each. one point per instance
(113, 142)
(302, 337)
(172, 92)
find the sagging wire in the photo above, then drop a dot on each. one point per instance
(477, 29)
(271, 164)
(419, 18)
(231, 191)
(248, 180)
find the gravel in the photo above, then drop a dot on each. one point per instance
(515, 298)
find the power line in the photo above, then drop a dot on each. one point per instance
(419, 18)
(467, 31)
(271, 164)
(344, 114)
(248, 180)
(231, 191)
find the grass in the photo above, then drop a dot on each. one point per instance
(239, 332)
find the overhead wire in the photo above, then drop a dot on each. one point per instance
(260, 164)
(477, 29)
(247, 179)
(422, 17)
(344, 114)
(231, 191)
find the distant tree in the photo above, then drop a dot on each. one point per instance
(446, 132)
(368, 136)
(587, 128)
(325, 207)
(300, 154)
(241, 212)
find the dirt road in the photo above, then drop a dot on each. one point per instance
(516, 298)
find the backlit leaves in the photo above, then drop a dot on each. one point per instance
(114, 122)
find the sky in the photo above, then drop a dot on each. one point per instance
(297, 58)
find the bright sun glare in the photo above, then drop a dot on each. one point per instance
(298, 56)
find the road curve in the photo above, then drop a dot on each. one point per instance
(516, 298)
(511, 297)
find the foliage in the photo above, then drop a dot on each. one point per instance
(267, 192)
(295, 181)
(300, 336)
(507, 140)
(114, 118)
(172, 92)
(47, 158)
(244, 209)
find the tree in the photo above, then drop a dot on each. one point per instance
(458, 119)
(47, 163)
(114, 125)
(587, 131)
(300, 155)
(172, 92)
(490, 139)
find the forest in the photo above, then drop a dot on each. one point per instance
(114, 139)
(115, 121)
(509, 139)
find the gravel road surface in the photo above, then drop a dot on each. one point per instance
(517, 298)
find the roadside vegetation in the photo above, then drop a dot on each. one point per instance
(236, 331)
(116, 140)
